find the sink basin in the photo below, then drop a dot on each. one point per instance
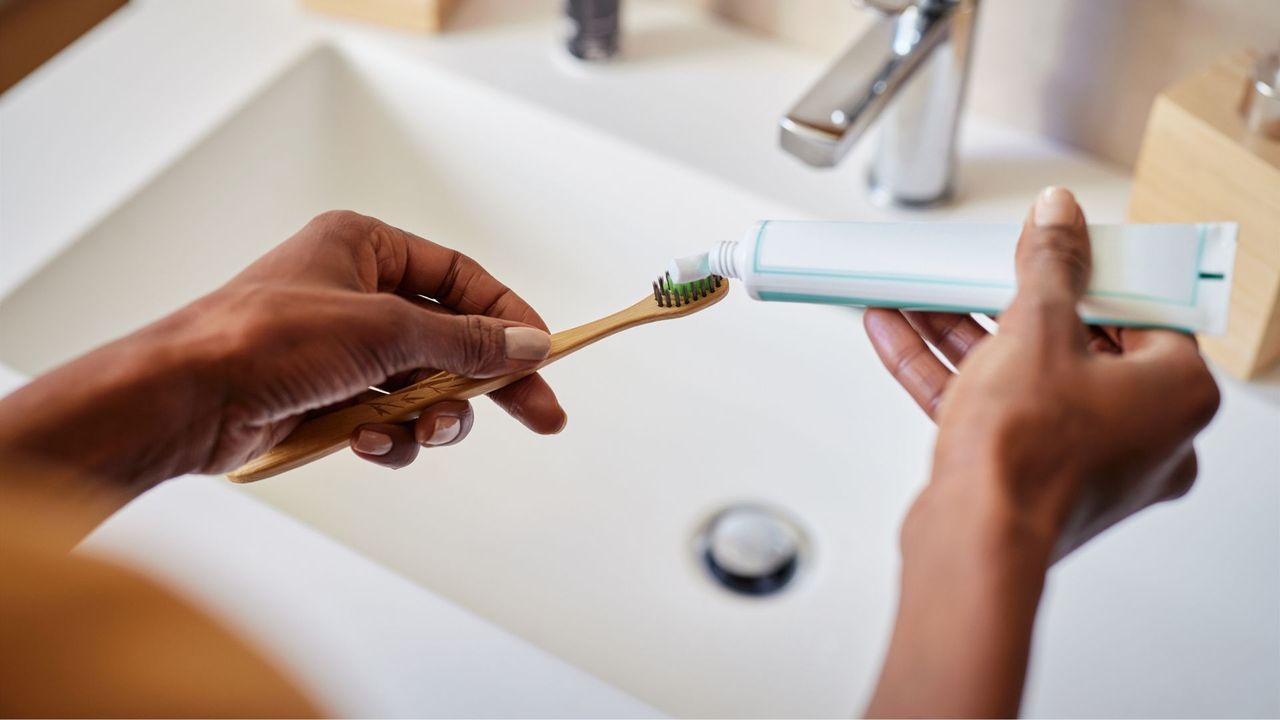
(583, 542)
(576, 188)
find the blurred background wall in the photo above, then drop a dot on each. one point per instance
(1082, 72)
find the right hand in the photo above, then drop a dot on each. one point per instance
(1062, 429)
(1049, 433)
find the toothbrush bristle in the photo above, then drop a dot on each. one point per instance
(668, 293)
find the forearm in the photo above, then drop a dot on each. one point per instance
(110, 420)
(971, 584)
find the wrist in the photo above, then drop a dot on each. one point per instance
(972, 576)
(979, 534)
(126, 413)
(989, 510)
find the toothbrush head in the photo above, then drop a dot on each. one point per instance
(703, 291)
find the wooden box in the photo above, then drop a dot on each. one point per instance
(416, 15)
(1198, 162)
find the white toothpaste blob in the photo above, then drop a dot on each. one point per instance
(689, 268)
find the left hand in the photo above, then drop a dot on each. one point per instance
(339, 307)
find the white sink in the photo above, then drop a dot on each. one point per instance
(583, 543)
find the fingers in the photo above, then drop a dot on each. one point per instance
(907, 358)
(1139, 342)
(409, 264)
(1101, 340)
(385, 444)
(1167, 368)
(532, 402)
(445, 423)
(397, 445)
(1053, 255)
(1183, 477)
(448, 423)
(953, 334)
(1053, 264)
(405, 337)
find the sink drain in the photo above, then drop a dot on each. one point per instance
(750, 549)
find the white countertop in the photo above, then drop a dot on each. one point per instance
(1196, 584)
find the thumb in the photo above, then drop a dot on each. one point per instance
(475, 346)
(1053, 262)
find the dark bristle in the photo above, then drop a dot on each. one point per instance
(668, 293)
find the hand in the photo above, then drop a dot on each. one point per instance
(1049, 433)
(1072, 428)
(337, 308)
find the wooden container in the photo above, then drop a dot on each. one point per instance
(1199, 162)
(425, 16)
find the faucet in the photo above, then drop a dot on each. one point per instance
(911, 67)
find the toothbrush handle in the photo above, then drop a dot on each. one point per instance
(326, 434)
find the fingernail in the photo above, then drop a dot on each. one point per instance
(526, 343)
(372, 442)
(1055, 206)
(446, 430)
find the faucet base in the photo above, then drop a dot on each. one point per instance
(884, 196)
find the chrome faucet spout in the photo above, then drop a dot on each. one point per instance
(909, 70)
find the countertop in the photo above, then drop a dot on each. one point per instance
(1196, 584)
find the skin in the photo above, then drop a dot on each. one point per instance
(227, 377)
(1049, 433)
(337, 308)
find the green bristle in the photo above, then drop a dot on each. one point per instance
(672, 294)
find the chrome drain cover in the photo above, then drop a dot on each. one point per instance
(750, 549)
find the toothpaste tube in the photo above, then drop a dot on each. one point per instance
(1173, 276)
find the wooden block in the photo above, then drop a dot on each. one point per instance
(1198, 163)
(32, 31)
(417, 15)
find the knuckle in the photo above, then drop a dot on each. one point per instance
(1180, 486)
(1204, 396)
(388, 253)
(1182, 479)
(345, 226)
(396, 317)
(481, 345)
(904, 363)
(338, 219)
(457, 276)
(253, 323)
(392, 339)
(400, 462)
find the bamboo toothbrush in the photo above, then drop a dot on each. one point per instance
(328, 433)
